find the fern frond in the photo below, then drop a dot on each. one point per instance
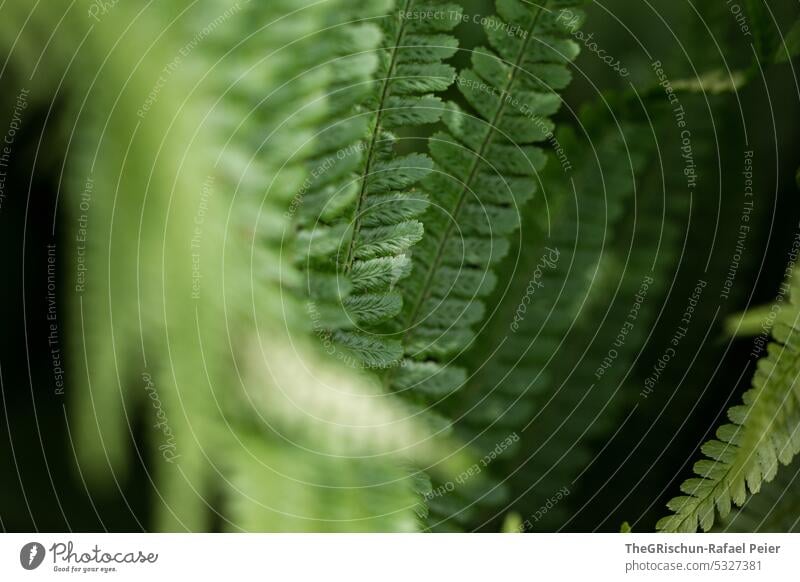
(487, 168)
(359, 217)
(764, 432)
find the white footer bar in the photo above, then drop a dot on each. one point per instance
(400, 557)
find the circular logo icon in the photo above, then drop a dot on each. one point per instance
(31, 555)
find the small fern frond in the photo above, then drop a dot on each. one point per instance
(764, 432)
